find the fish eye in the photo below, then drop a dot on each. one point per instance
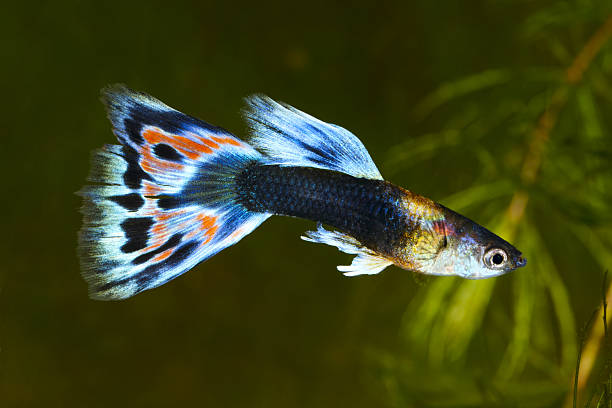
(495, 258)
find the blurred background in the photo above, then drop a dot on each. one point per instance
(498, 109)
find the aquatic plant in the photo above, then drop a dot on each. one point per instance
(541, 136)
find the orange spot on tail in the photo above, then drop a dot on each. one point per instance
(158, 228)
(226, 140)
(165, 216)
(151, 189)
(163, 255)
(206, 221)
(186, 146)
(210, 234)
(190, 148)
(210, 143)
(207, 227)
(159, 233)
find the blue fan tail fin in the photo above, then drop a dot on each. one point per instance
(161, 202)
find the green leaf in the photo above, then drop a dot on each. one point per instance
(461, 87)
(590, 117)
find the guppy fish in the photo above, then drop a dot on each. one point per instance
(178, 190)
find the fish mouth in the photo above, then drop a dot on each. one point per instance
(521, 261)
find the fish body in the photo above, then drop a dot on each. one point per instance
(178, 190)
(411, 231)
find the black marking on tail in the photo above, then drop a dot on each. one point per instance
(151, 273)
(133, 129)
(170, 121)
(171, 243)
(167, 152)
(136, 232)
(131, 202)
(169, 202)
(181, 253)
(134, 174)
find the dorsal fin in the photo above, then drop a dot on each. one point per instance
(293, 138)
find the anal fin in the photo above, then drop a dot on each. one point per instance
(367, 262)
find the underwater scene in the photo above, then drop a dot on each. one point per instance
(171, 171)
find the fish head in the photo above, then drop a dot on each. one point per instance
(471, 251)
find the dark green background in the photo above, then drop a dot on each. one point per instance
(268, 322)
